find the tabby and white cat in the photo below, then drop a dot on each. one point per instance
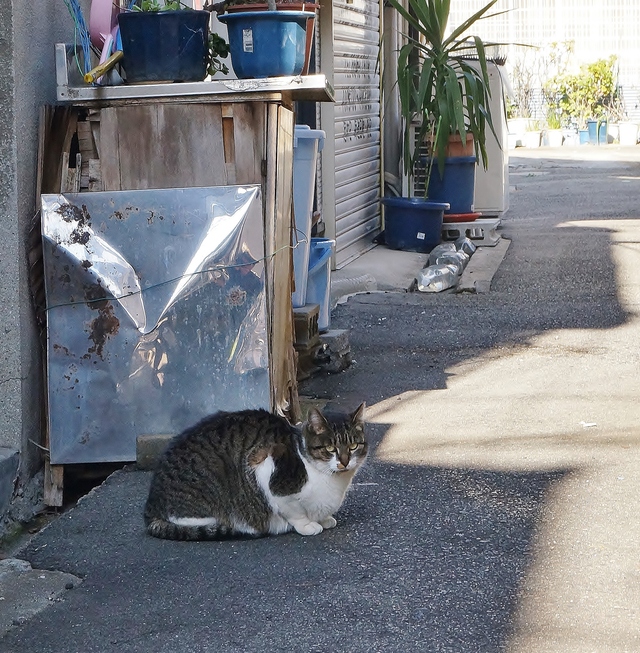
(252, 473)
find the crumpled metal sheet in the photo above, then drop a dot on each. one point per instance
(156, 314)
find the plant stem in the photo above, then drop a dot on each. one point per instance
(434, 140)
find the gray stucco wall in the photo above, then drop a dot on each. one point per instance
(10, 368)
(28, 32)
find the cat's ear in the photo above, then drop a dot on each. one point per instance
(317, 423)
(357, 418)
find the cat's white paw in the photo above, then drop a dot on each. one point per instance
(309, 528)
(328, 522)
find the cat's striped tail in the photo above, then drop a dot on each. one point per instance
(168, 530)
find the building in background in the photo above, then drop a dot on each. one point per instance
(594, 29)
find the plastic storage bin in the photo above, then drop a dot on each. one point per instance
(306, 145)
(319, 279)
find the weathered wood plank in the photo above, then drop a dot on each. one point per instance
(95, 179)
(284, 353)
(109, 149)
(53, 484)
(44, 121)
(133, 131)
(194, 135)
(249, 141)
(278, 221)
(55, 134)
(170, 146)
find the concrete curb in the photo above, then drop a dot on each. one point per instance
(24, 592)
(482, 267)
(386, 270)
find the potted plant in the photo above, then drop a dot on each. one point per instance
(553, 132)
(268, 39)
(588, 98)
(167, 42)
(444, 93)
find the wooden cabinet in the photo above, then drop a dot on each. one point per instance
(181, 142)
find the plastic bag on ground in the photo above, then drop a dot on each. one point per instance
(437, 278)
(458, 259)
(466, 245)
(438, 250)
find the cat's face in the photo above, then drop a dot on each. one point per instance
(336, 443)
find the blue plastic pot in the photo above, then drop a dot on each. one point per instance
(413, 224)
(267, 43)
(457, 186)
(165, 46)
(603, 133)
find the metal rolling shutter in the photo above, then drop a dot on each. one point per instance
(356, 79)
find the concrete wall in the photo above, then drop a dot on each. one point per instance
(28, 32)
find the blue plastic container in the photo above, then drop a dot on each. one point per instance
(457, 186)
(165, 46)
(319, 279)
(413, 224)
(306, 145)
(267, 43)
(603, 133)
(584, 136)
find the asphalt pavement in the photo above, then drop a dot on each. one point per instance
(499, 509)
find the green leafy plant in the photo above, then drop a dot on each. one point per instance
(156, 5)
(553, 119)
(589, 94)
(218, 49)
(440, 87)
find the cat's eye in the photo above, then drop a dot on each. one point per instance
(330, 448)
(353, 446)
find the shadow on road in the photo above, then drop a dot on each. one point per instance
(422, 557)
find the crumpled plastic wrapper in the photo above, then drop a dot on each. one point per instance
(436, 278)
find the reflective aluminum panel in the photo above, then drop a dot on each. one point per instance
(156, 314)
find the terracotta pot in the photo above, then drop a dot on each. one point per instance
(457, 148)
(286, 6)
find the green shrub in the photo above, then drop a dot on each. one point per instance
(589, 94)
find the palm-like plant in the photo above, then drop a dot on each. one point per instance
(439, 85)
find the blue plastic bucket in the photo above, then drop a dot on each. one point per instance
(306, 145)
(319, 279)
(267, 43)
(457, 186)
(413, 224)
